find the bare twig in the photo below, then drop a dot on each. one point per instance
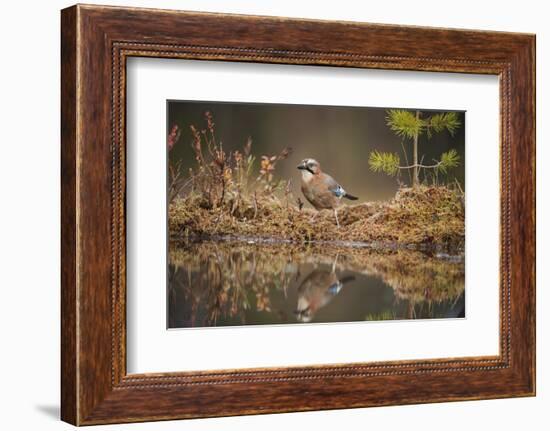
(406, 159)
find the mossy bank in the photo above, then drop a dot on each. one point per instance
(423, 217)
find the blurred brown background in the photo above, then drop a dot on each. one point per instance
(339, 137)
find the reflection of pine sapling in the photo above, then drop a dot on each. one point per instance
(409, 125)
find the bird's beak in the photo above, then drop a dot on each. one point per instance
(301, 166)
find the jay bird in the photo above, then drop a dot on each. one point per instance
(320, 189)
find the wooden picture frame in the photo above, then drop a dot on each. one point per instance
(95, 43)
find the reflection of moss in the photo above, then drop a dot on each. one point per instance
(383, 315)
(236, 276)
(429, 216)
(417, 278)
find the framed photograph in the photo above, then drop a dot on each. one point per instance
(279, 215)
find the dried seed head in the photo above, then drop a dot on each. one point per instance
(173, 136)
(285, 153)
(266, 165)
(209, 120)
(219, 158)
(196, 144)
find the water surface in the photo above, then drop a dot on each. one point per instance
(230, 284)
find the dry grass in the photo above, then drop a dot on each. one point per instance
(428, 216)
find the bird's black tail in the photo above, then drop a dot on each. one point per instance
(347, 279)
(350, 197)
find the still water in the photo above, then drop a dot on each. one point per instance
(234, 284)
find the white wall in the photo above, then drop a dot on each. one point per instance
(29, 214)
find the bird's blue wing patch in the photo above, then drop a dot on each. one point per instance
(335, 288)
(334, 187)
(339, 191)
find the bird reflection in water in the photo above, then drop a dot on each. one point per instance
(317, 290)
